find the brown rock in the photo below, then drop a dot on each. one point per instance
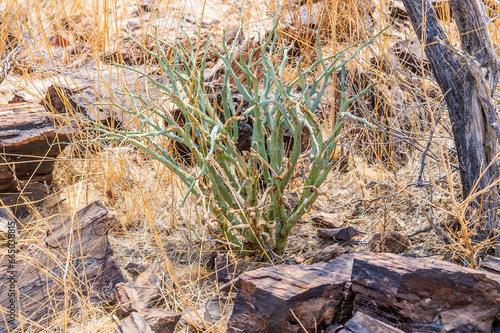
(212, 314)
(329, 253)
(275, 299)
(362, 323)
(135, 323)
(390, 242)
(160, 320)
(425, 295)
(225, 268)
(342, 234)
(74, 253)
(328, 220)
(133, 296)
(30, 140)
(491, 264)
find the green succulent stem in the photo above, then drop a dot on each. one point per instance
(245, 191)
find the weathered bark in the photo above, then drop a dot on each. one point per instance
(468, 94)
(73, 262)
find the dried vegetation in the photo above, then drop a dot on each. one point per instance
(401, 177)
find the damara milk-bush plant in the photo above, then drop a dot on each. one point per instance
(244, 190)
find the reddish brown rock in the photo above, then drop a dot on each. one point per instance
(425, 295)
(30, 139)
(135, 323)
(491, 264)
(341, 234)
(329, 253)
(160, 320)
(75, 253)
(275, 299)
(327, 220)
(362, 323)
(133, 296)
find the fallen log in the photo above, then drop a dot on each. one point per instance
(33, 135)
(73, 262)
(30, 141)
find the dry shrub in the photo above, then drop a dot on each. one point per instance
(340, 22)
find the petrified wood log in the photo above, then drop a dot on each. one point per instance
(92, 97)
(160, 320)
(425, 295)
(30, 140)
(149, 321)
(491, 264)
(135, 323)
(133, 296)
(362, 323)
(73, 262)
(286, 298)
(408, 294)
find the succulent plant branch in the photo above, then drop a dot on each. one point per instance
(246, 189)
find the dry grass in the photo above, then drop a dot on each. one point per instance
(144, 196)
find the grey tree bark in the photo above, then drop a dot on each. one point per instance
(468, 78)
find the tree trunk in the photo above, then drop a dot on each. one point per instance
(467, 78)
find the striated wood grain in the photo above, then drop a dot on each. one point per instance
(275, 299)
(362, 323)
(30, 141)
(425, 295)
(74, 261)
(133, 296)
